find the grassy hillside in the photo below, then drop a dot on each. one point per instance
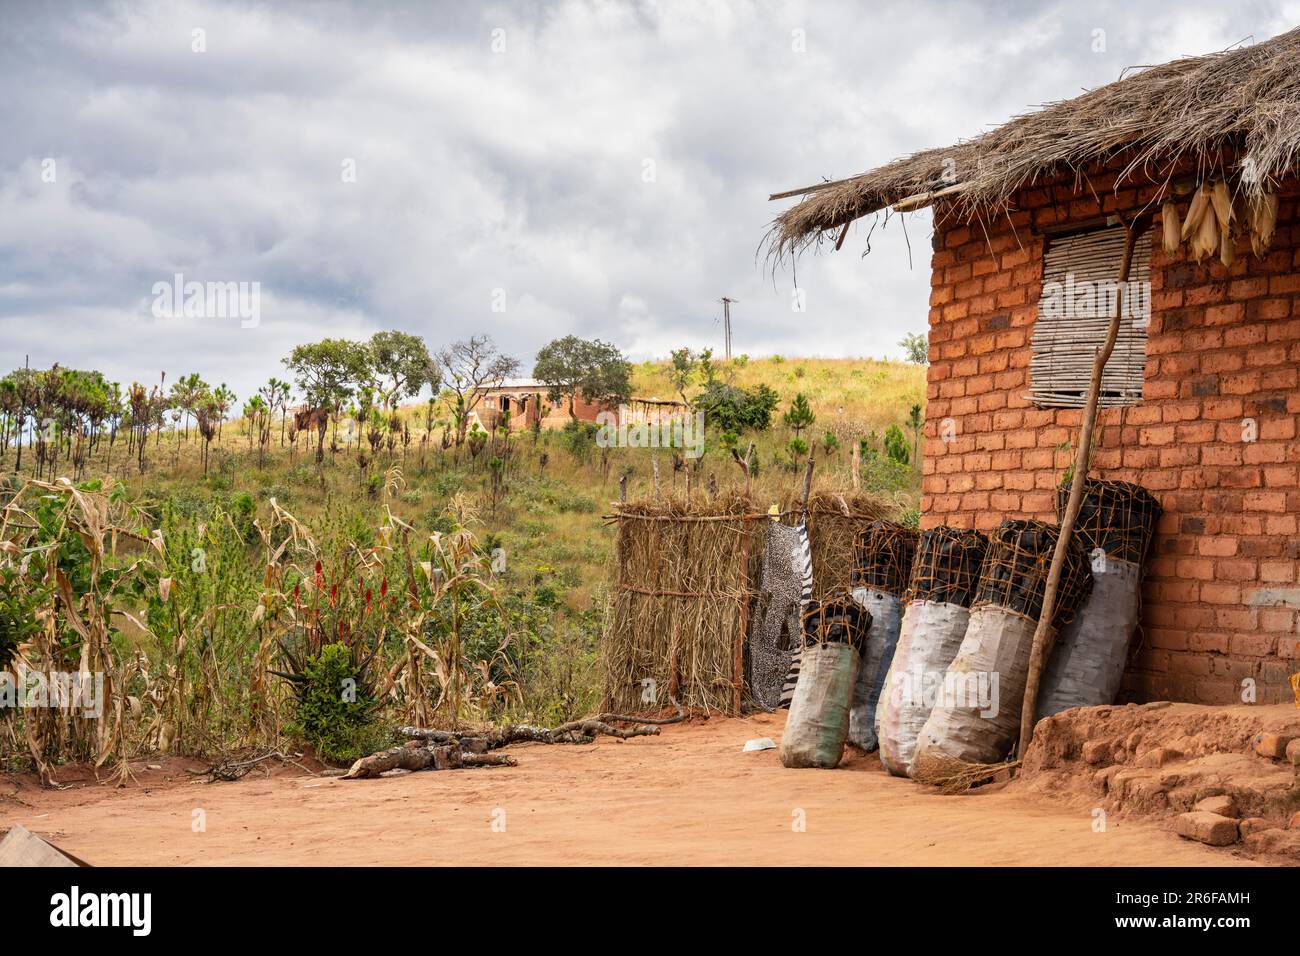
(853, 396)
(534, 502)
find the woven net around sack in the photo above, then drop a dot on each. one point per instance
(882, 557)
(834, 521)
(946, 569)
(1118, 517)
(840, 620)
(1015, 570)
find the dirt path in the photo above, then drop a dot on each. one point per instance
(687, 797)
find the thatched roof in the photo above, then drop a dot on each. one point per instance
(1240, 106)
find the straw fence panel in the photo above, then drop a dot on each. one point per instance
(686, 583)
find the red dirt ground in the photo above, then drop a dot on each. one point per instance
(689, 796)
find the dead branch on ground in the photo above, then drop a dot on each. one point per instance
(417, 756)
(431, 748)
(230, 770)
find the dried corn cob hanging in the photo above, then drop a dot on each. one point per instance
(1195, 212)
(1169, 218)
(1221, 199)
(1205, 237)
(1261, 213)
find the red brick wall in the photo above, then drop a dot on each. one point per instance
(1224, 346)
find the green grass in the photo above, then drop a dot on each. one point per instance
(548, 511)
(549, 518)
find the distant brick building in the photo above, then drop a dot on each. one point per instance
(1200, 401)
(528, 403)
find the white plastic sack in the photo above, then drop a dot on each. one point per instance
(1087, 664)
(976, 717)
(886, 619)
(928, 640)
(818, 724)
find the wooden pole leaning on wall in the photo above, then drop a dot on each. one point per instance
(1043, 632)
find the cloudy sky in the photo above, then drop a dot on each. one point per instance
(521, 169)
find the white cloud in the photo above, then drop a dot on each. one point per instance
(522, 170)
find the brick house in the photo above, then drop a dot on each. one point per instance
(1200, 399)
(528, 403)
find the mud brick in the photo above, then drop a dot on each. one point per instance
(1210, 828)
(1225, 805)
(1272, 746)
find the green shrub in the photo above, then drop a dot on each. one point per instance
(446, 484)
(18, 606)
(798, 449)
(441, 522)
(896, 445)
(577, 504)
(336, 707)
(738, 410)
(579, 438)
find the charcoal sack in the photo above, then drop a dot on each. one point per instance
(945, 574)
(883, 554)
(818, 724)
(1115, 526)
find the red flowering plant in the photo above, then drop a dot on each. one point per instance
(329, 612)
(348, 602)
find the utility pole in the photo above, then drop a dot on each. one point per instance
(726, 322)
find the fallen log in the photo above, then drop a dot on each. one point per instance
(415, 756)
(435, 749)
(466, 737)
(479, 741)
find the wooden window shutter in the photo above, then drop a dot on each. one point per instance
(1074, 310)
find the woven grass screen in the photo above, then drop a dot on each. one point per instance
(834, 521)
(686, 580)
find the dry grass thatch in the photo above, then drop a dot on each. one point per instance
(1243, 103)
(685, 576)
(954, 776)
(834, 521)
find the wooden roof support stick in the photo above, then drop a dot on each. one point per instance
(855, 459)
(1043, 632)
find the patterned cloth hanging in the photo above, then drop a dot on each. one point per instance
(804, 553)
